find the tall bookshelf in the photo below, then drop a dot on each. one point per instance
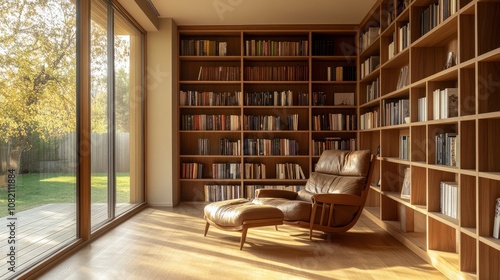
(293, 93)
(461, 246)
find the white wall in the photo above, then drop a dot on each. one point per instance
(161, 115)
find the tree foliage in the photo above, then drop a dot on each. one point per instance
(38, 77)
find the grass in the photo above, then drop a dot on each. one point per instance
(34, 190)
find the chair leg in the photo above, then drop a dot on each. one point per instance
(243, 237)
(276, 226)
(207, 225)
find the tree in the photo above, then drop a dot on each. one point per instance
(38, 80)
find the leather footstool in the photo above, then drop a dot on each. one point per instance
(240, 215)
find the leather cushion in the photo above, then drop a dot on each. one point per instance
(293, 210)
(344, 163)
(326, 183)
(232, 213)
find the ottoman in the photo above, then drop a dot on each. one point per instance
(241, 214)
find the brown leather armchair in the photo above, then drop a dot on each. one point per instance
(334, 195)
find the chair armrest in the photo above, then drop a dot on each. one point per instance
(276, 193)
(334, 198)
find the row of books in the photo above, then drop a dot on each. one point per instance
(277, 73)
(289, 171)
(260, 122)
(404, 77)
(270, 147)
(226, 147)
(336, 122)
(276, 48)
(445, 103)
(369, 65)
(219, 73)
(222, 192)
(395, 111)
(368, 37)
(341, 73)
(216, 192)
(276, 98)
(323, 47)
(332, 143)
(209, 98)
(255, 171)
(369, 120)
(373, 90)
(394, 11)
(422, 109)
(203, 48)
(448, 199)
(496, 220)
(250, 189)
(447, 149)
(404, 37)
(191, 170)
(436, 13)
(404, 147)
(339, 98)
(210, 122)
(226, 170)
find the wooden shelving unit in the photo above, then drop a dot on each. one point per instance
(461, 247)
(303, 60)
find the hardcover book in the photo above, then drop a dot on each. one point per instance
(496, 223)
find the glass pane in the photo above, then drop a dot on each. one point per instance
(99, 113)
(128, 114)
(37, 131)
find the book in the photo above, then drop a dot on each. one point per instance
(496, 221)
(406, 187)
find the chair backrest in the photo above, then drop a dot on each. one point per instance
(340, 172)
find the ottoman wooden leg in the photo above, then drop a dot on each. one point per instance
(243, 237)
(206, 228)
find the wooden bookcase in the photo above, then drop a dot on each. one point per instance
(460, 247)
(306, 66)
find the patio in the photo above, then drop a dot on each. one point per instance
(43, 229)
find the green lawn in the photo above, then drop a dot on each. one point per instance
(33, 190)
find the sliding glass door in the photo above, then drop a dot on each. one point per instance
(117, 113)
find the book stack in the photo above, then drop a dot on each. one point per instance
(195, 98)
(404, 77)
(203, 146)
(203, 48)
(191, 170)
(447, 149)
(228, 147)
(277, 73)
(335, 122)
(391, 49)
(221, 192)
(210, 122)
(219, 73)
(318, 98)
(332, 143)
(436, 13)
(445, 103)
(226, 170)
(422, 109)
(341, 73)
(373, 90)
(394, 111)
(276, 48)
(368, 37)
(275, 98)
(369, 65)
(289, 171)
(404, 37)
(255, 171)
(270, 147)
(370, 120)
(250, 189)
(449, 199)
(404, 147)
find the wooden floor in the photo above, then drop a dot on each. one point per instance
(42, 230)
(168, 243)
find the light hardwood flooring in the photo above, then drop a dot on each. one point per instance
(168, 243)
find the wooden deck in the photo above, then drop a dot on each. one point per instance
(43, 230)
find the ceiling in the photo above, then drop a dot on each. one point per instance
(266, 12)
